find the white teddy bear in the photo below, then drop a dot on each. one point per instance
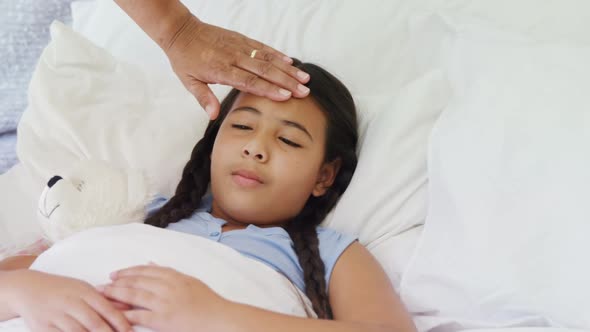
(92, 194)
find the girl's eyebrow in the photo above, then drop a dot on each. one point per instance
(285, 122)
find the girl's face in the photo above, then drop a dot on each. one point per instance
(267, 159)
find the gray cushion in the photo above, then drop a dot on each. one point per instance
(24, 32)
(7, 149)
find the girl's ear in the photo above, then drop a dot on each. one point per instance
(326, 177)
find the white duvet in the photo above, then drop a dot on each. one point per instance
(92, 255)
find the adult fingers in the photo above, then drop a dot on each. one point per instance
(205, 97)
(247, 82)
(256, 45)
(292, 71)
(269, 54)
(267, 67)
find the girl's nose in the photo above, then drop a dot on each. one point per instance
(255, 151)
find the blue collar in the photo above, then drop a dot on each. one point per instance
(204, 212)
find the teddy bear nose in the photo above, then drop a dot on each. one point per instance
(53, 180)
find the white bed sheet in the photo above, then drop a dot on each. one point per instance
(549, 21)
(395, 252)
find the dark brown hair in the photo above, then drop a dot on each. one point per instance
(336, 102)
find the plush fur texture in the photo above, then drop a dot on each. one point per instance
(91, 194)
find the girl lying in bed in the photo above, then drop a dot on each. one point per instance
(269, 172)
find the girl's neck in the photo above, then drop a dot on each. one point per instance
(233, 224)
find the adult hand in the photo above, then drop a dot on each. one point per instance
(202, 54)
(53, 303)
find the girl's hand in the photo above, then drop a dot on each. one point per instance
(166, 300)
(48, 302)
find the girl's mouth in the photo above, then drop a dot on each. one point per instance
(247, 178)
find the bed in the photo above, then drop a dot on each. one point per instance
(472, 175)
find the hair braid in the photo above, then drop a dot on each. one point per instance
(303, 232)
(341, 141)
(195, 178)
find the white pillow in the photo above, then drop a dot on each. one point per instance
(361, 43)
(83, 103)
(387, 194)
(82, 11)
(375, 60)
(505, 241)
(139, 118)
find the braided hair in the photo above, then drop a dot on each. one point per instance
(338, 106)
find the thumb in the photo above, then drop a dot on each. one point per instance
(205, 97)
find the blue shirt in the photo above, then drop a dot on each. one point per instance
(272, 245)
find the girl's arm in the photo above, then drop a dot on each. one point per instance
(50, 302)
(6, 311)
(361, 296)
(17, 262)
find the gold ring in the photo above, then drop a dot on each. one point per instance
(253, 54)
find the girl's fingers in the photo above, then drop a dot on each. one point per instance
(152, 285)
(120, 306)
(69, 323)
(153, 271)
(141, 317)
(51, 329)
(108, 313)
(133, 296)
(88, 318)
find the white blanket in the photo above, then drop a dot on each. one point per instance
(92, 255)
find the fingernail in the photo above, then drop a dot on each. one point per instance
(302, 75)
(113, 275)
(287, 59)
(285, 92)
(302, 88)
(100, 288)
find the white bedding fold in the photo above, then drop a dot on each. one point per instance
(92, 255)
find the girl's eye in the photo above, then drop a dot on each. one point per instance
(290, 143)
(240, 127)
